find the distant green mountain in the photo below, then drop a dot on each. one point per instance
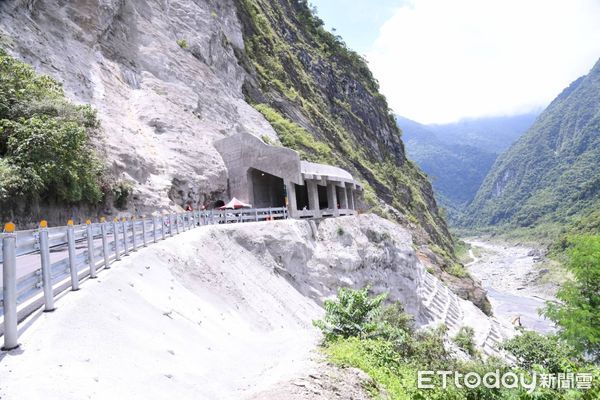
(458, 156)
(552, 173)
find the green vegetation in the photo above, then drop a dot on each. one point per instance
(578, 314)
(458, 156)
(182, 43)
(461, 250)
(549, 179)
(531, 348)
(45, 141)
(352, 314)
(294, 136)
(301, 92)
(267, 140)
(121, 192)
(464, 339)
(363, 333)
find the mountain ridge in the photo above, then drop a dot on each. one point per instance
(457, 156)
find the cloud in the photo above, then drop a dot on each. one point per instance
(440, 60)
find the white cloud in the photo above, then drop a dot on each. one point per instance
(441, 60)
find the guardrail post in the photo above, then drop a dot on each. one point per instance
(46, 272)
(256, 215)
(9, 287)
(163, 228)
(144, 240)
(133, 238)
(116, 238)
(154, 233)
(90, 245)
(124, 226)
(72, 256)
(104, 243)
(171, 225)
(177, 223)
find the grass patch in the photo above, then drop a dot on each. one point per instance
(461, 251)
(296, 137)
(458, 270)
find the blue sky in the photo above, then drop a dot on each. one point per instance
(357, 21)
(440, 61)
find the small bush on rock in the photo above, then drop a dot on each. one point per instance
(464, 339)
(353, 313)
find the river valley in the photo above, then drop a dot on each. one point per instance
(512, 276)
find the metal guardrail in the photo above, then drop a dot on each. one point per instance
(38, 264)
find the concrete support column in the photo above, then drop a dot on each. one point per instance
(350, 198)
(332, 198)
(313, 197)
(292, 206)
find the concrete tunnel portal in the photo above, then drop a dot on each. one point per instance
(267, 190)
(266, 175)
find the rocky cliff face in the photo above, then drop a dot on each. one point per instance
(169, 78)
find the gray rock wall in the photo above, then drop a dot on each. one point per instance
(161, 105)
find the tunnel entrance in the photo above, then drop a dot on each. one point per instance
(268, 190)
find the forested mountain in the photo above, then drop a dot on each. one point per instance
(458, 156)
(552, 173)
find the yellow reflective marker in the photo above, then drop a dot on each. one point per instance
(116, 219)
(43, 223)
(88, 222)
(102, 219)
(70, 222)
(9, 227)
(124, 219)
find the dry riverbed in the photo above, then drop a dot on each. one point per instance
(515, 277)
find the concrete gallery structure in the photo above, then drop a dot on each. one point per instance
(274, 176)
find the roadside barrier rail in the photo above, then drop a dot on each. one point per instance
(38, 264)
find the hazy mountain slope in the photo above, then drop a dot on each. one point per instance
(553, 171)
(491, 134)
(458, 156)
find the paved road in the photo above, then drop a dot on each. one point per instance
(26, 264)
